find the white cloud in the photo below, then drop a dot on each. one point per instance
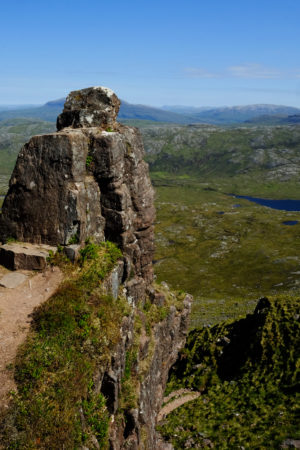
(254, 71)
(247, 70)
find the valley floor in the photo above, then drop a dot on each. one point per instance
(226, 252)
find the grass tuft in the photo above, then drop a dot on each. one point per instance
(72, 334)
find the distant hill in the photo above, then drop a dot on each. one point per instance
(13, 107)
(52, 109)
(189, 110)
(197, 150)
(170, 114)
(233, 114)
(291, 119)
(271, 153)
(274, 120)
(130, 111)
(47, 112)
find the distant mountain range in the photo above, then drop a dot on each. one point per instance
(234, 114)
(250, 115)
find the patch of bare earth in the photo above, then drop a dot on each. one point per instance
(181, 397)
(16, 306)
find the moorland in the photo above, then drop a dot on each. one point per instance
(228, 253)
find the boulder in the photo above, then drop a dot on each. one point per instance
(12, 280)
(25, 256)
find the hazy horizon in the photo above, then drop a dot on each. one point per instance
(174, 105)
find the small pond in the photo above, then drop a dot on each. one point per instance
(283, 205)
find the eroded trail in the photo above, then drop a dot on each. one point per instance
(182, 396)
(16, 305)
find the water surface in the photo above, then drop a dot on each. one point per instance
(290, 222)
(283, 205)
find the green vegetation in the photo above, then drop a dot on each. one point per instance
(143, 123)
(269, 154)
(227, 253)
(248, 374)
(72, 338)
(226, 256)
(227, 260)
(72, 334)
(88, 162)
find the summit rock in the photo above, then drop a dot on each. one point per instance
(87, 180)
(91, 107)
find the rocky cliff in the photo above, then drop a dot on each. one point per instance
(89, 181)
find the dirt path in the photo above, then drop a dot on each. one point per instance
(182, 396)
(15, 307)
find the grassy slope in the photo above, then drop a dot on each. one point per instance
(72, 332)
(70, 344)
(248, 374)
(227, 260)
(268, 153)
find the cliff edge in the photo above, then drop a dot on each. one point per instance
(86, 180)
(77, 189)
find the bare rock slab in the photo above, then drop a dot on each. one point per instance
(24, 256)
(12, 280)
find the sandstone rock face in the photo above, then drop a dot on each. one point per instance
(86, 180)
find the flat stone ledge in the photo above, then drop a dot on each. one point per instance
(25, 256)
(12, 280)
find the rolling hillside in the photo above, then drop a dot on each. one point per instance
(209, 151)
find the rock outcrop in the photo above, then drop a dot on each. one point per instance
(89, 180)
(86, 180)
(17, 256)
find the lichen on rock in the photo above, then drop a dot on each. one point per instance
(90, 107)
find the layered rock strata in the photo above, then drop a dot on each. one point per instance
(86, 180)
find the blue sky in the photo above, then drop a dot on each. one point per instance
(217, 52)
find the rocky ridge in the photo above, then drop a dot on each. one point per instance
(89, 180)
